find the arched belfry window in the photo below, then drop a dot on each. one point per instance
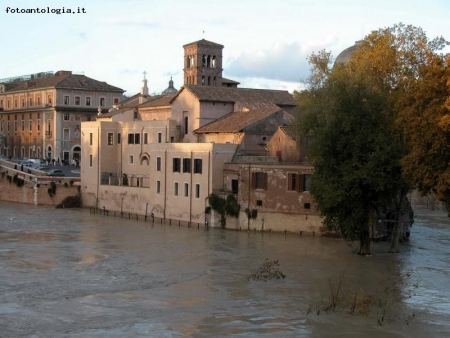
(213, 61)
(204, 61)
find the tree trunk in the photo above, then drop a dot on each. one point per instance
(364, 241)
(399, 206)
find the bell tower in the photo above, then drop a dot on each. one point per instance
(203, 63)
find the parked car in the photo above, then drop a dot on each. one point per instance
(42, 168)
(28, 164)
(55, 172)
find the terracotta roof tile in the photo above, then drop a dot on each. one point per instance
(237, 121)
(157, 101)
(244, 97)
(67, 81)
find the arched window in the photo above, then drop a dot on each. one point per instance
(49, 153)
(145, 158)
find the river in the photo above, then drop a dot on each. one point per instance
(68, 273)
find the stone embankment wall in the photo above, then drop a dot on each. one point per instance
(35, 189)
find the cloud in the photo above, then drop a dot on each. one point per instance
(283, 62)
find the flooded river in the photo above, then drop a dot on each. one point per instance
(67, 273)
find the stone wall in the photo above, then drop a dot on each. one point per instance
(35, 189)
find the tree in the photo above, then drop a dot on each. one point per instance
(393, 71)
(224, 207)
(355, 155)
(425, 121)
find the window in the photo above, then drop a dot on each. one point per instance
(186, 165)
(22, 124)
(15, 126)
(306, 182)
(110, 139)
(30, 125)
(66, 134)
(259, 203)
(102, 102)
(130, 159)
(119, 138)
(176, 165)
(134, 138)
(259, 180)
(186, 189)
(8, 127)
(15, 103)
(158, 163)
(88, 101)
(159, 137)
(66, 99)
(23, 102)
(77, 100)
(293, 182)
(145, 138)
(175, 189)
(185, 125)
(197, 191)
(197, 166)
(299, 182)
(90, 160)
(90, 138)
(38, 125)
(116, 100)
(307, 205)
(158, 187)
(235, 187)
(66, 117)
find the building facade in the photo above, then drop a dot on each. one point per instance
(41, 114)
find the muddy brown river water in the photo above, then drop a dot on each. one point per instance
(68, 273)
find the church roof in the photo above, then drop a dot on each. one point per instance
(61, 80)
(225, 80)
(246, 97)
(237, 121)
(203, 42)
(158, 101)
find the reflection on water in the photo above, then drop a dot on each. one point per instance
(67, 272)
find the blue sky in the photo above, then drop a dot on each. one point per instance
(266, 42)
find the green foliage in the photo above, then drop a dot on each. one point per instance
(353, 112)
(251, 214)
(52, 189)
(66, 184)
(224, 207)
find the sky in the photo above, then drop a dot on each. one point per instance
(266, 42)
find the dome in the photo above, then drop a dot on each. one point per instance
(346, 54)
(171, 89)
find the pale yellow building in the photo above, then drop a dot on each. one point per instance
(41, 114)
